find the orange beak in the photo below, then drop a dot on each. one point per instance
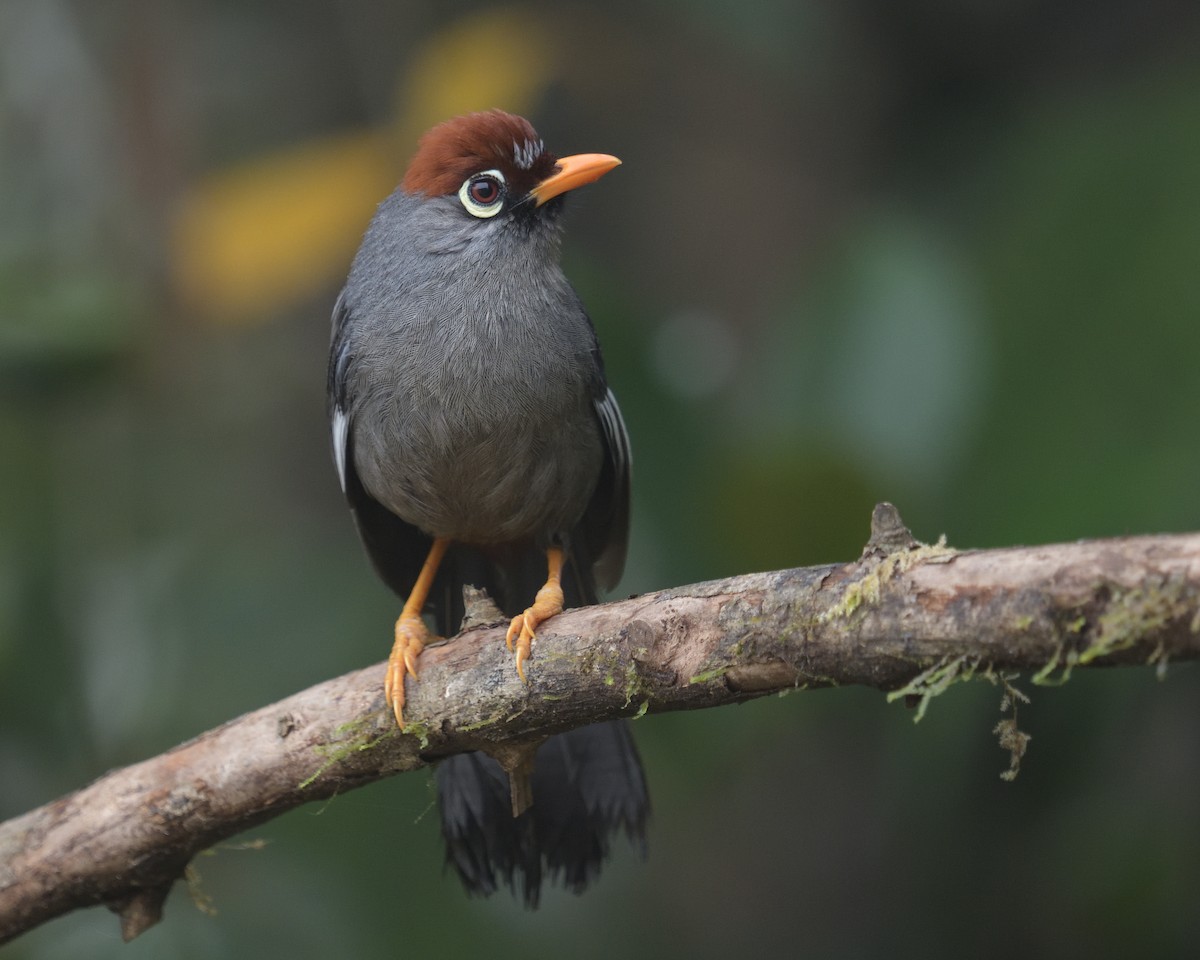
(573, 172)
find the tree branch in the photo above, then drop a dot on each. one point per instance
(905, 617)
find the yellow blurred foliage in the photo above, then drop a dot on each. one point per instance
(271, 231)
(503, 58)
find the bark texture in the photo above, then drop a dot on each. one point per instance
(906, 618)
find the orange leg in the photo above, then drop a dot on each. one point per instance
(547, 603)
(411, 632)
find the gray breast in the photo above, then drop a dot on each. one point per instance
(472, 415)
(481, 459)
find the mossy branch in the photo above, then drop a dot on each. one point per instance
(906, 618)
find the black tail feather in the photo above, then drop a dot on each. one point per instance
(587, 785)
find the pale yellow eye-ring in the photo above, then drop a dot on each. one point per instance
(483, 193)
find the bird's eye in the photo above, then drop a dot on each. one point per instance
(483, 193)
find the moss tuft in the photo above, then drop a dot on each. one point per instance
(868, 588)
(1133, 614)
(935, 681)
(360, 736)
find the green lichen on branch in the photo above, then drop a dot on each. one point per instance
(706, 675)
(1064, 659)
(489, 721)
(634, 688)
(359, 736)
(1129, 616)
(1135, 613)
(1159, 659)
(869, 588)
(935, 681)
(944, 674)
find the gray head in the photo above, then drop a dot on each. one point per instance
(482, 189)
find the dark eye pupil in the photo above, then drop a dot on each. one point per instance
(485, 190)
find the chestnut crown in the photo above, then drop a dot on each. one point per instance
(454, 152)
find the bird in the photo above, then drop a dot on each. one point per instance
(478, 443)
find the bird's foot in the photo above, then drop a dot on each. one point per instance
(411, 637)
(547, 603)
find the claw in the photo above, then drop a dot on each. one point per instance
(522, 629)
(411, 635)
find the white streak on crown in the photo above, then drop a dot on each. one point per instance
(524, 154)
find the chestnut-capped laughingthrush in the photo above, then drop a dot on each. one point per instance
(478, 443)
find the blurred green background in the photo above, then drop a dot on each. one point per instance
(942, 254)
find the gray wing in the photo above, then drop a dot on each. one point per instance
(396, 548)
(335, 388)
(605, 523)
